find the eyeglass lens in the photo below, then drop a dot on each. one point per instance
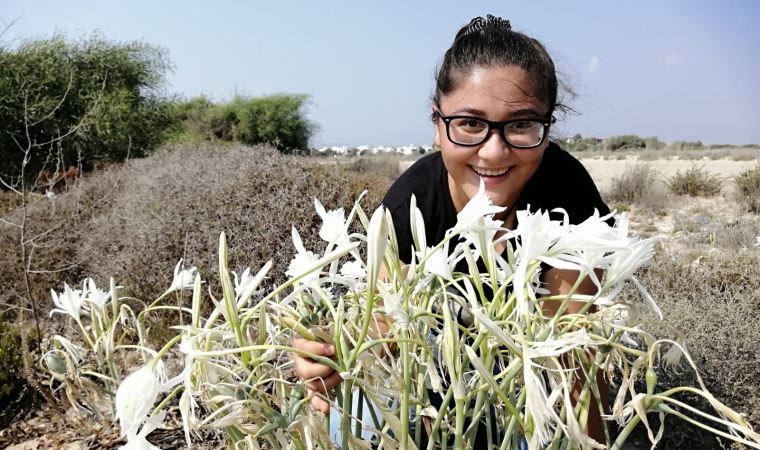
(469, 131)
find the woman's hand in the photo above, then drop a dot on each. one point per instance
(318, 378)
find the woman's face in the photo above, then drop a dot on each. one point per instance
(496, 94)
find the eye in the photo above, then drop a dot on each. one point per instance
(523, 126)
(469, 125)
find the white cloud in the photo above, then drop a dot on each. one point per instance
(673, 59)
(593, 65)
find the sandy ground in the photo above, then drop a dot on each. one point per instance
(604, 170)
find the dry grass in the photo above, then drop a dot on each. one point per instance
(748, 184)
(135, 221)
(639, 184)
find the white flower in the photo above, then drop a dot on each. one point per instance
(139, 441)
(334, 228)
(377, 239)
(480, 205)
(135, 398)
(417, 223)
(183, 279)
(69, 302)
(94, 295)
(757, 241)
(437, 261)
(537, 233)
(50, 194)
(303, 262)
(353, 269)
(246, 279)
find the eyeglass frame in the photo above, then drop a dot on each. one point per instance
(498, 126)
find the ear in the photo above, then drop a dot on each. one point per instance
(436, 138)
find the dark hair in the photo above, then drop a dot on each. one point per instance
(490, 42)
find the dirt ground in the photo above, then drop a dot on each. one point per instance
(603, 171)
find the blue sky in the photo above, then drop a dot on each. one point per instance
(680, 70)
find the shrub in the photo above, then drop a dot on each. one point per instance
(180, 199)
(134, 221)
(695, 182)
(624, 142)
(748, 183)
(278, 120)
(386, 166)
(711, 298)
(634, 183)
(638, 184)
(103, 97)
(193, 116)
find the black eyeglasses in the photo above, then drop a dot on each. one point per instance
(470, 131)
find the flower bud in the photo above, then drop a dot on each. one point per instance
(651, 379)
(55, 363)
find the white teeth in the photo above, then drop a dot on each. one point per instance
(490, 173)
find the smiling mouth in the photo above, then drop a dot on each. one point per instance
(489, 172)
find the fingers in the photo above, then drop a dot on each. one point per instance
(324, 384)
(307, 368)
(320, 404)
(318, 348)
(319, 378)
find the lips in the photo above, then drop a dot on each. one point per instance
(483, 172)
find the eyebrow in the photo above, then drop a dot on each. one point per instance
(525, 112)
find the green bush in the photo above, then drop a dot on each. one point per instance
(278, 120)
(101, 100)
(625, 142)
(193, 118)
(748, 183)
(695, 182)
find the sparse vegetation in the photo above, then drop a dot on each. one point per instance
(748, 183)
(710, 293)
(640, 185)
(695, 182)
(637, 181)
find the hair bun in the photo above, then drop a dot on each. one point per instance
(480, 23)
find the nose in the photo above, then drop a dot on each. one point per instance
(495, 147)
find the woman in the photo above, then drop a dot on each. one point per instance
(496, 93)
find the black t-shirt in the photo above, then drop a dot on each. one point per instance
(560, 181)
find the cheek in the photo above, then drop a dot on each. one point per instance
(531, 160)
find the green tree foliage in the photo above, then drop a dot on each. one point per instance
(80, 101)
(278, 119)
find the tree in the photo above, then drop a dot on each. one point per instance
(79, 102)
(277, 119)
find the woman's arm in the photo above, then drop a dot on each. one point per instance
(560, 282)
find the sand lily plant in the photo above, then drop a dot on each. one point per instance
(454, 347)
